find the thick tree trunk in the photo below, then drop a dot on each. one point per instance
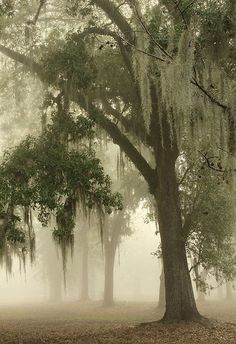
(112, 232)
(110, 252)
(84, 294)
(180, 302)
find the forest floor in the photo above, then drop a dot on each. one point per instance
(78, 323)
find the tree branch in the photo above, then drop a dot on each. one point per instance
(117, 136)
(143, 51)
(208, 95)
(193, 267)
(210, 164)
(35, 19)
(114, 14)
(97, 115)
(148, 32)
(181, 13)
(140, 132)
(125, 51)
(26, 61)
(184, 175)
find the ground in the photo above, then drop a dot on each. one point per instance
(78, 323)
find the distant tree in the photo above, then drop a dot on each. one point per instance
(48, 264)
(118, 226)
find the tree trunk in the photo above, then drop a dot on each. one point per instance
(84, 295)
(201, 294)
(55, 289)
(180, 302)
(112, 232)
(229, 293)
(162, 297)
(110, 252)
(51, 266)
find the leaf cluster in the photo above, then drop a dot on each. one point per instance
(68, 62)
(44, 174)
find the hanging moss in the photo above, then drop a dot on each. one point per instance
(52, 175)
(195, 84)
(64, 233)
(141, 66)
(14, 239)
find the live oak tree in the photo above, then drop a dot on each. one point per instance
(118, 225)
(208, 215)
(158, 76)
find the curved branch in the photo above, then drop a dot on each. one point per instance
(36, 17)
(118, 137)
(124, 49)
(128, 125)
(114, 14)
(208, 95)
(23, 59)
(97, 115)
(148, 32)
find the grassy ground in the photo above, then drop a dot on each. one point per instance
(76, 323)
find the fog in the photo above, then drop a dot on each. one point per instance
(132, 261)
(117, 172)
(137, 269)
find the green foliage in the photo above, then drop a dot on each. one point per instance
(49, 175)
(73, 8)
(68, 62)
(217, 25)
(6, 8)
(207, 206)
(40, 171)
(115, 81)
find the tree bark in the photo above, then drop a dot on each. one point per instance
(180, 302)
(112, 233)
(162, 296)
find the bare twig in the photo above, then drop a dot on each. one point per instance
(209, 163)
(181, 13)
(209, 96)
(194, 266)
(35, 19)
(188, 6)
(184, 175)
(142, 51)
(148, 32)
